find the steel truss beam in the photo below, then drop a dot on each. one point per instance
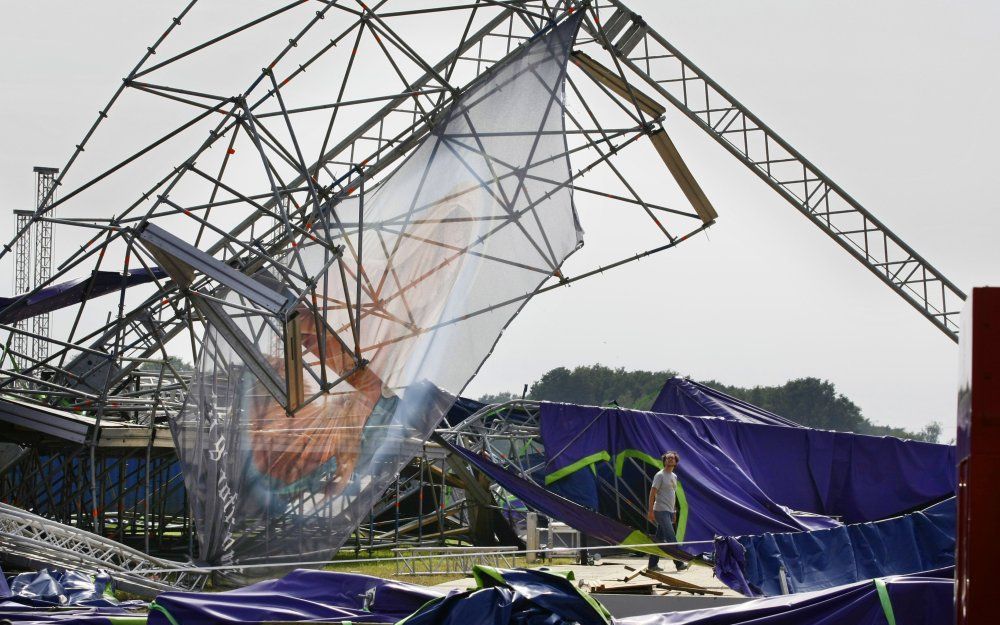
(652, 59)
(37, 541)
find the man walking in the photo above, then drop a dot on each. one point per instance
(663, 507)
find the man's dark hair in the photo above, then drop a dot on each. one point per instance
(663, 458)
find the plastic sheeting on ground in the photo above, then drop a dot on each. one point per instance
(920, 541)
(576, 516)
(743, 478)
(689, 398)
(73, 292)
(902, 600)
(502, 596)
(64, 596)
(47, 588)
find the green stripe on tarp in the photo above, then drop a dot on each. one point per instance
(127, 620)
(682, 504)
(160, 608)
(594, 603)
(480, 572)
(682, 513)
(634, 453)
(576, 466)
(420, 609)
(883, 597)
(638, 538)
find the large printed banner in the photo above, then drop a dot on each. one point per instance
(441, 255)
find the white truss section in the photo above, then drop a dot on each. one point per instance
(35, 541)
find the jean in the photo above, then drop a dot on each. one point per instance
(664, 534)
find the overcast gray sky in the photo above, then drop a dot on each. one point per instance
(894, 100)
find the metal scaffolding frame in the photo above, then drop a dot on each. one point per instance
(622, 76)
(20, 344)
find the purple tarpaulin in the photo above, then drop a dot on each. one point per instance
(576, 516)
(920, 541)
(73, 292)
(530, 597)
(908, 600)
(687, 397)
(742, 478)
(503, 596)
(299, 596)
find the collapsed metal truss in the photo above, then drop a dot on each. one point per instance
(31, 540)
(278, 162)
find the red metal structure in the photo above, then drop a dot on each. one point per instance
(979, 461)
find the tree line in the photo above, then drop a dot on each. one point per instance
(808, 401)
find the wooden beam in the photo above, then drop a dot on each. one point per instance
(294, 386)
(614, 82)
(685, 179)
(674, 583)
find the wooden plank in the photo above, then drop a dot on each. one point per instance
(685, 179)
(629, 578)
(688, 590)
(675, 583)
(614, 82)
(294, 386)
(624, 589)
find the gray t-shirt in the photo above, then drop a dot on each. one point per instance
(665, 483)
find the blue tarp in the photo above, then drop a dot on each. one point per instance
(62, 466)
(691, 399)
(73, 292)
(578, 486)
(920, 541)
(744, 478)
(911, 600)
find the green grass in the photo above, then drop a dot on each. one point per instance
(379, 566)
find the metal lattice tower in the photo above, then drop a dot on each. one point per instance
(20, 343)
(44, 189)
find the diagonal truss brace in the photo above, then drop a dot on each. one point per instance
(181, 260)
